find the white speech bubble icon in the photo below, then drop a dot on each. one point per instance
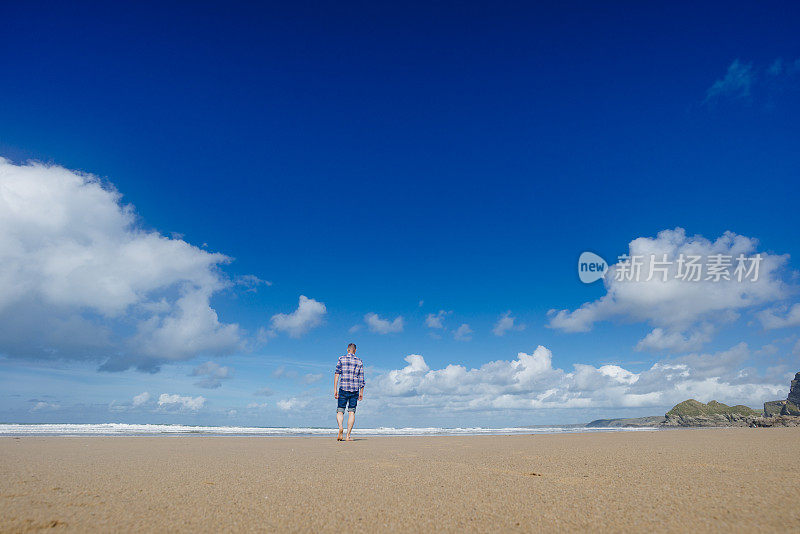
(591, 267)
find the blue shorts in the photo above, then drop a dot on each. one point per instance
(345, 398)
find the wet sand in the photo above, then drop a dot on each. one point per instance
(708, 480)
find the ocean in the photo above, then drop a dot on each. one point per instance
(124, 429)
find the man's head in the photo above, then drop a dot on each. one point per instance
(351, 348)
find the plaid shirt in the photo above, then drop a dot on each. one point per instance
(351, 370)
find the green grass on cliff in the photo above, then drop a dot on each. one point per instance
(692, 407)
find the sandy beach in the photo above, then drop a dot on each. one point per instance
(707, 480)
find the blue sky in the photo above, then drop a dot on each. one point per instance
(398, 161)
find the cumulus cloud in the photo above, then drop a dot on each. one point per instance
(192, 328)
(780, 317)
(77, 270)
(736, 83)
(140, 399)
(436, 320)
(505, 324)
(213, 374)
(309, 314)
(383, 326)
(681, 309)
(463, 333)
(532, 382)
(182, 402)
(293, 403)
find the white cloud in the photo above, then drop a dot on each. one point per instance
(674, 341)
(401, 382)
(736, 83)
(259, 405)
(77, 269)
(140, 399)
(780, 317)
(436, 320)
(192, 328)
(679, 308)
(309, 314)
(383, 326)
(177, 401)
(251, 282)
(282, 372)
(291, 374)
(531, 382)
(265, 392)
(213, 373)
(44, 406)
(463, 333)
(292, 404)
(746, 81)
(311, 378)
(781, 67)
(506, 323)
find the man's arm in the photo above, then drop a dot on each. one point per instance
(336, 374)
(361, 379)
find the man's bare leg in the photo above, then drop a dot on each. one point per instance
(340, 420)
(351, 420)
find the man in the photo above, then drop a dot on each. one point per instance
(350, 389)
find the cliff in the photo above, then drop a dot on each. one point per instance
(790, 406)
(794, 391)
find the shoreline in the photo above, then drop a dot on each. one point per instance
(738, 479)
(325, 432)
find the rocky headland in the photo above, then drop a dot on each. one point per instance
(693, 413)
(628, 422)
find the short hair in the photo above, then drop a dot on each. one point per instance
(351, 345)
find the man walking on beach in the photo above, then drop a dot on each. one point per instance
(350, 389)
